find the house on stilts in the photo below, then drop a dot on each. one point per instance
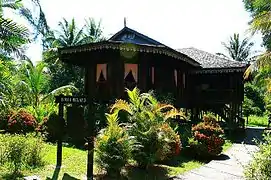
(199, 81)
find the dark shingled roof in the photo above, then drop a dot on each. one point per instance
(208, 60)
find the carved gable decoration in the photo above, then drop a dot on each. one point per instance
(128, 35)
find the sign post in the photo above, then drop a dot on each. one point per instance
(61, 124)
(62, 100)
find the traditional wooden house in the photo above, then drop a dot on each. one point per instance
(198, 80)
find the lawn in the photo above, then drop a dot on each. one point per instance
(74, 166)
(257, 121)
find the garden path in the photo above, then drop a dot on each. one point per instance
(229, 165)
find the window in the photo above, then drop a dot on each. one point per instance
(101, 73)
(130, 75)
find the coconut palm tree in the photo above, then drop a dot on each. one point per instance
(261, 22)
(69, 34)
(238, 49)
(12, 35)
(37, 20)
(92, 31)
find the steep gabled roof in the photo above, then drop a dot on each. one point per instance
(128, 35)
(208, 60)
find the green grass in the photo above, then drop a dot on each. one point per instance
(227, 145)
(257, 121)
(75, 162)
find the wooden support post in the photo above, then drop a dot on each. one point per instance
(89, 86)
(60, 134)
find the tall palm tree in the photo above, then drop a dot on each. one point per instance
(92, 31)
(261, 22)
(37, 21)
(12, 35)
(69, 34)
(238, 49)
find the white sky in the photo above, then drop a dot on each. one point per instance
(203, 24)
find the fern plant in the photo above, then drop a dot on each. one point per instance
(148, 118)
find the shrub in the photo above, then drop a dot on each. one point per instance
(42, 111)
(156, 140)
(113, 147)
(4, 120)
(259, 167)
(49, 127)
(207, 140)
(21, 122)
(15, 148)
(19, 150)
(253, 93)
(170, 142)
(34, 151)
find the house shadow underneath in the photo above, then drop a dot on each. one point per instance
(250, 136)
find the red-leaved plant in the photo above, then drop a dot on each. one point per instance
(21, 122)
(207, 140)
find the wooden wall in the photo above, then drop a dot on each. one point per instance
(223, 88)
(218, 88)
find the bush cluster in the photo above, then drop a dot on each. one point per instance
(259, 167)
(146, 137)
(21, 122)
(207, 139)
(19, 151)
(50, 127)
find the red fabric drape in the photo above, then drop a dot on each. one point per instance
(101, 68)
(133, 68)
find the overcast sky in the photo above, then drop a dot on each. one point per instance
(203, 24)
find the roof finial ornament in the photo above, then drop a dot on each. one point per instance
(124, 21)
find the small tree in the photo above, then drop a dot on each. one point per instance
(113, 147)
(148, 124)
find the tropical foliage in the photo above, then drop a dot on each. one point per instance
(207, 140)
(258, 168)
(114, 147)
(148, 123)
(238, 49)
(260, 11)
(12, 35)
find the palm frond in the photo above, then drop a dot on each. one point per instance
(161, 107)
(121, 105)
(60, 90)
(173, 113)
(134, 96)
(261, 22)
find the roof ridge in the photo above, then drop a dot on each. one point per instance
(214, 54)
(209, 60)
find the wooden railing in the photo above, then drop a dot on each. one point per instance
(232, 120)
